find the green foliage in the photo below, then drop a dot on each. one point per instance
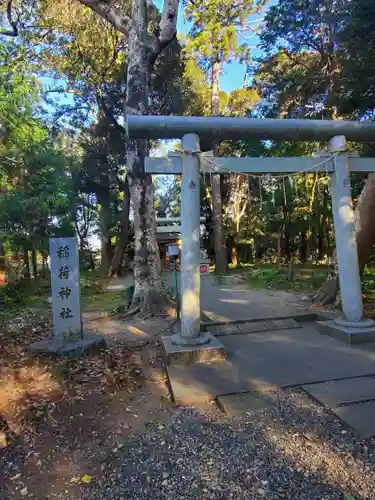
(20, 99)
(37, 205)
(214, 34)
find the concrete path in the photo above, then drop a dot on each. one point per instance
(338, 376)
(262, 361)
(233, 301)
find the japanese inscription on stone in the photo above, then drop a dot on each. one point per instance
(65, 289)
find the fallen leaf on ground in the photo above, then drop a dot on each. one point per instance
(86, 479)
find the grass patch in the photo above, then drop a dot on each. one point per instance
(307, 278)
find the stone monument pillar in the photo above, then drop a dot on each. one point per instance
(68, 334)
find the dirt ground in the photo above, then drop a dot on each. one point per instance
(63, 422)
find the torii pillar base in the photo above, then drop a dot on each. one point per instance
(207, 350)
(352, 333)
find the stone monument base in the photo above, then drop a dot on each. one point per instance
(56, 348)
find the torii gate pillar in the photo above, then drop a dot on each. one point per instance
(190, 344)
(190, 240)
(352, 327)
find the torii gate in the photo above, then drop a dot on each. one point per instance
(352, 326)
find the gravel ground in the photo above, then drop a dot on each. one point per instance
(297, 450)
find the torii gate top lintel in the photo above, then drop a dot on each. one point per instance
(226, 128)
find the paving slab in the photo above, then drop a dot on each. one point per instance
(227, 329)
(341, 392)
(270, 325)
(267, 360)
(361, 417)
(252, 326)
(237, 404)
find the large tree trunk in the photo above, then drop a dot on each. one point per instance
(221, 260)
(123, 237)
(365, 235)
(144, 48)
(147, 283)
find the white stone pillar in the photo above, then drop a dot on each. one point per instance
(190, 240)
(346, 243)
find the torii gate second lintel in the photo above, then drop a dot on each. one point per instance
(352, 327)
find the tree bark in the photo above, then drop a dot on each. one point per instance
(147, 283)
(123, 237)
(365, 235)
(221, 260)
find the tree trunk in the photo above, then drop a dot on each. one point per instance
(3, 273)
(234, 256)
(323, 228)
(321, 237)
(365, 235)
(26, 262)
(144, 48)
(34, 263)
(105, 240)
(221, 260)
(303, 248)
(147, 284)
(123, 237)
(278, 251)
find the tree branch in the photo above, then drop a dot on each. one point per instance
(13, 24)
(107, 11)
(167, 30)
(109, 115)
